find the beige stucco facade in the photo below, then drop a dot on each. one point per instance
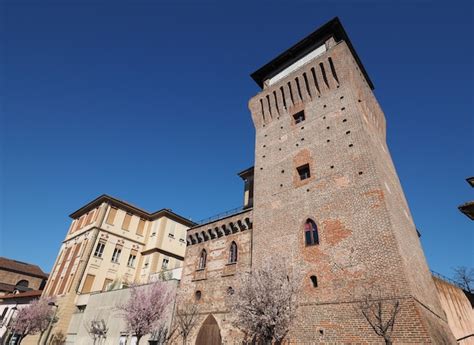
(111, 244)
(102, 306)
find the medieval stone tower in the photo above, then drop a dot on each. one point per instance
(327, 197)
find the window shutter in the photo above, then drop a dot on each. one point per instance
(86, 288)
(141, 226)
(111, 216)
(126, 221)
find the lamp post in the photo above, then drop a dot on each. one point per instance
(50, 326)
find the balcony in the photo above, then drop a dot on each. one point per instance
(223, 224)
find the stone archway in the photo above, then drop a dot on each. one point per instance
(209, 334)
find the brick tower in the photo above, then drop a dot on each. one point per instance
(328, 199)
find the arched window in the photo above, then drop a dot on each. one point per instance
(311, 233)
(22, 285)
(197, 295)
(233, 253)
(202, 260)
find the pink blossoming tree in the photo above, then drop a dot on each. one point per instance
(145, 309)
(33, 319)
(265, 304)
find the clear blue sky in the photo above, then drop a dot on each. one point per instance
(147, 101)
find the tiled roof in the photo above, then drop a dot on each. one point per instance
(21, 267)
(31, 293)
(6, 287)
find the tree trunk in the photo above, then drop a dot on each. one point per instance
(388, 341)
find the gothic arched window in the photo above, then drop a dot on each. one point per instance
(202, 260)
(311, 233)
(233, 253)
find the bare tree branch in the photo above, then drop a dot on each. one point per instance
(465, 277)
(380, 313)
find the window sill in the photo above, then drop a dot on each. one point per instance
(231, 263)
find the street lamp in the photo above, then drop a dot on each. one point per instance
(50, 326)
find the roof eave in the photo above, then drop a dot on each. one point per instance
(319, 36)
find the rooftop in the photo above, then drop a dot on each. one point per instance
(21, 295)
(132, 209)
(332, 28)
(468, 209)
(22, 267)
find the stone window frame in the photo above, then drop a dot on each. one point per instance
(233, 253)
(202, 260)
(311, 235)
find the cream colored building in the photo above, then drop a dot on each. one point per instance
(111, 243)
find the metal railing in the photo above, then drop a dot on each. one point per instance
(449, 280)
(221, 215)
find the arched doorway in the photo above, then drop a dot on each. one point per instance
(209, 334)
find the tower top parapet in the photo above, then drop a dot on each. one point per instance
(309, 47)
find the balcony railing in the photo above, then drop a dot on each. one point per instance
(221, 215)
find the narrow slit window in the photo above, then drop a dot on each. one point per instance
(304, 172)
(299, 117)
(333, 70)
(269, 105)
(276, 101)
(291, 93)
(305, 77)
(323, 71)
(314, 281)
(283, 96)
(313, 72)
(262, 110)
(299, 88)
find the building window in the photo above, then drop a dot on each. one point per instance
(303, 172)
(89, 281)
(22, 284)
(299, 117)
(107, 283)
(131, 260)
(233, 253)
(202, 260)
(198, 295)
(311, 233)
(141, 226)
(314, 281)
(99, 250)
(126, 221)
(165, 263)
(116, 254)
(111, 216)
(4, 313)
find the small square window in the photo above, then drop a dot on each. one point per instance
(299, 117)
(304, 172)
